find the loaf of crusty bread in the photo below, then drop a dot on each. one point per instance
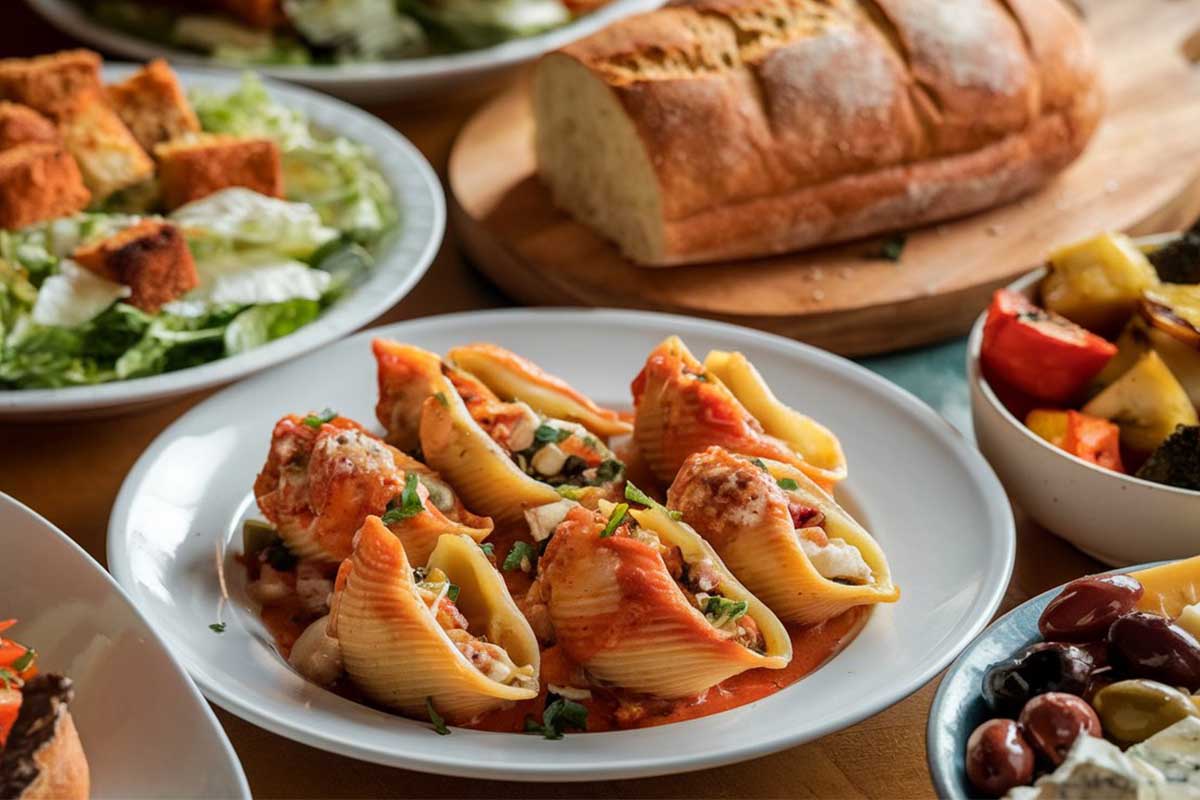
(716, 129)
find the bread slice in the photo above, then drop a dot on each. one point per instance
(717, 129)
(43, 758)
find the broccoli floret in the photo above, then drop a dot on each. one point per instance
(1179, 261)
(1176, 462)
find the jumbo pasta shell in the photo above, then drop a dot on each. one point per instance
(742, 511)
(617, 611)
(513, 377)
(824, 460)
(481, 471)
(681, 409)
(394, 649)
(407, 375)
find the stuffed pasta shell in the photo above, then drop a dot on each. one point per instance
(323, 477)
(782, 535)
(448, 635)
(643, 603)
(683, 408)
(515, 378)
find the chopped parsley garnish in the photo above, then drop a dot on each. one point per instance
(722, 609)
(22, 663)
(217, 627)
(8, 678)
(560, 714)
(635, 495)
(614, 520)
(488, 549)
(608, 470)
(317, 420)
(439, 723)
(788, 484)
(452, 592)
(522, 556)
(548, 434)
(893, 246)
(410, 502)
(441, 398)
(758, 462)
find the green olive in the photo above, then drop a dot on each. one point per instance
(1133, 711)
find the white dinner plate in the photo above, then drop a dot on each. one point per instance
(366, 82)
(401, 258)
(145, 729)
(931, 500)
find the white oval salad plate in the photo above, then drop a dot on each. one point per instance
(363, 81)
(400, 255)
(930, 499)
(145, 730)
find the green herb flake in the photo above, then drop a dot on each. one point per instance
(8, 678)
(722, 609)
(217, 627)
(758, 462)
(26, 659)
(317, 420)
(569, 492)
(559, 714)
(410, 502)
(635, 495)
(522, 556)
(893, 247)
(609, 470)
(548, 434)
(488, 549)
(439, 723)
(441, 398)
(788, 484)
(675, 515)
(614, 520)
(452, 593)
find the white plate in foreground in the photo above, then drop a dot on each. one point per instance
(930, 499)
(401, 258)
(145, 729)
(365, 82)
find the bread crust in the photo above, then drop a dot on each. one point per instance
(776, 125)
(64, 773)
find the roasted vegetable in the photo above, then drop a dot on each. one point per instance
(1179, 261)
(1098, 282)
(1176, 462)
(1090, 438)
(1137, 339)
(1042, 354)
(1147, 403)
(1175, 309)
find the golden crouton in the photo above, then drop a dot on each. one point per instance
(151, 258)
(198, 165)
(256, 13)
(39, 181)
(50, 83)
(108, 155)
(21, 124)
(153, 106)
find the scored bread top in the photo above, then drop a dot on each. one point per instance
(741, 99)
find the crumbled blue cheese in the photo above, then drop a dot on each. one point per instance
(1096, 768)
(1175, 752)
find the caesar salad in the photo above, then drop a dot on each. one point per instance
(300, 32)
(144, 229)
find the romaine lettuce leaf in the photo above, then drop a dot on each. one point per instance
(237, 217)
(481, 23)
(74, 295)
(258, 325)
(358, 29)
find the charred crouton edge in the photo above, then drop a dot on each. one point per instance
(39, 181)
(198, 165)
(109, 156)
(153, 105)
(51, 83)
(21, 125)
(151, 258)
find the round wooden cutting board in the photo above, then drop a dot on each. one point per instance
(1139, 173)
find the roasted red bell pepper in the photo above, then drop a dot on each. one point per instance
(16, 666)
(1040, 353)
(1090, 438)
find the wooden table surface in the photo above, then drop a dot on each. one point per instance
(70, 473)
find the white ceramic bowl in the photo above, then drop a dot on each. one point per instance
(1119, 519)
(929, 498)
(401, 258)
(369, 82)
(145, 729)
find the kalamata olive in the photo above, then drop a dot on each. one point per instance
(1053, 721)
(1098, 650)
(998, 757)
(1143, 645)
(1134, 710)
(1044, 667)
(1100, 677)
(1086, 608)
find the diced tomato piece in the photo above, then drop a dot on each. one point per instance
(1040, 353)
(10, 706)
(1082, 435)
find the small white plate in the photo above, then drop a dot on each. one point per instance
(931, 500)
(145, 729)
(367, 82)
(401, 258)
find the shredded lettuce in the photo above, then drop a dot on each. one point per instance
(481, 23)
(237, 217)
(358, 29)
(260, 324)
